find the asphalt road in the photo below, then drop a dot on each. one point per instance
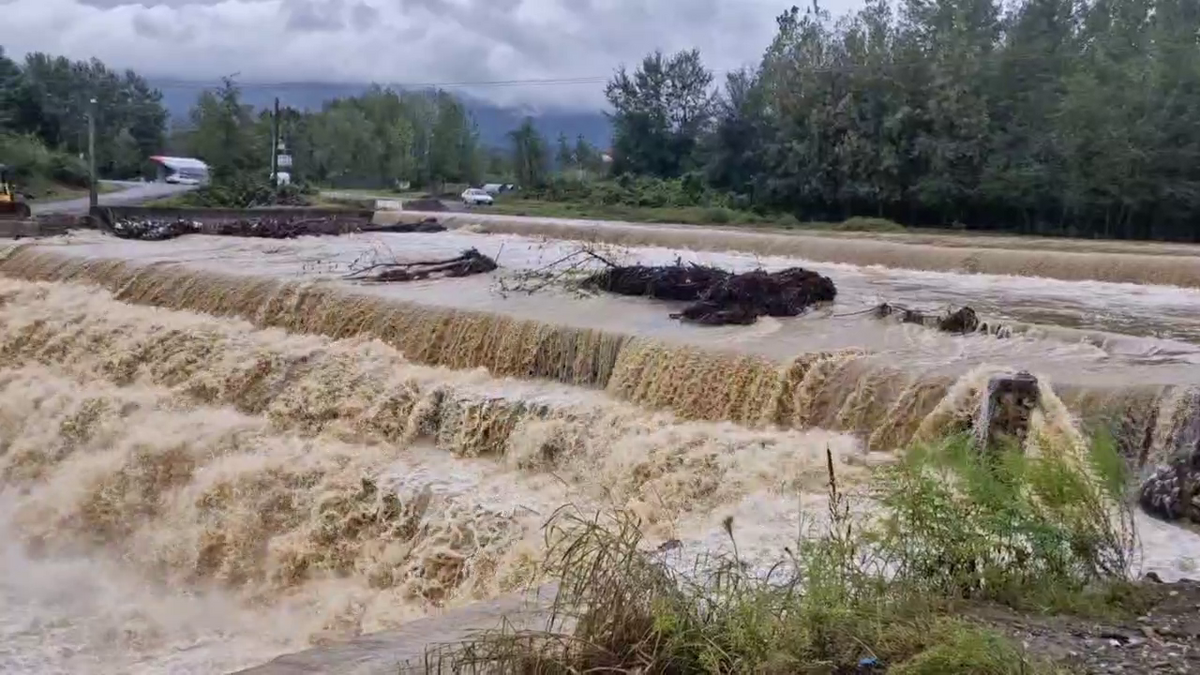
(131, 192)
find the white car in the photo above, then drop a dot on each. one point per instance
(476, 197)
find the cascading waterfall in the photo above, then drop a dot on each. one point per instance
(844, 390)
(281, 443)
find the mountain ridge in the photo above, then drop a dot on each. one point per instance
(494, 121)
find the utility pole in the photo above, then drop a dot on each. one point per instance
(275, 144)
(93, 197)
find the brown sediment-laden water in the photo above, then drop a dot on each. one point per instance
(217, 450)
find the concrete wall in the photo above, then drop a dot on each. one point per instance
(11, 229)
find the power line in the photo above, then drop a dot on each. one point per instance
(561, 81)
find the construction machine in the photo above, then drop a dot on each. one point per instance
(12, 203)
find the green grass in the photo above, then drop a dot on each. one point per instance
(958, 529)
(54, 192)
(686, 215)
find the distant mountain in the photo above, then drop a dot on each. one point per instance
(494, 121)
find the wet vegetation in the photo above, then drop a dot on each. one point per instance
(1073, 117)
(959, 530)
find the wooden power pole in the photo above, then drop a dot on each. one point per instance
(93, 195)
(275, 144)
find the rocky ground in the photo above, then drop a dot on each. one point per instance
(1164, 638)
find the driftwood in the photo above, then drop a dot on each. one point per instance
(154, 230)
(469, 262)
(427, 225)
(267, 227)
(961, 320)
(718, 296)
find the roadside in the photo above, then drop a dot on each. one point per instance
(114, 193)
(58, 192)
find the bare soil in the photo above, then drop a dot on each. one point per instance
(1165, 638)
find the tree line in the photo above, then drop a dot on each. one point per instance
(1077, 117)
(44, 103)
(380, 139)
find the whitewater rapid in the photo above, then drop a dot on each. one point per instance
(214, 451)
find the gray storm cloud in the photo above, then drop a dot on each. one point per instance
(397, 41)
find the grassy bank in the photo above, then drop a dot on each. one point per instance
(49, 191)
(686, 215)
(961, 540)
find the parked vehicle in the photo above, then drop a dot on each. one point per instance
(476, 197)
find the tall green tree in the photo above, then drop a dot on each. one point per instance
(660, 111)
(1043, 116)
(530, 157)
(564, 154)
(224, 133)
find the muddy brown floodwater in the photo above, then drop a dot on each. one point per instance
(214, 451)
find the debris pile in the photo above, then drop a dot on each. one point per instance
(469, 262)
(962, 320)
(265, 227)
(154, 230)
(718, 296)
(426, 225)
(273, 227)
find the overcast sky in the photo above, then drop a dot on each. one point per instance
(400, 41)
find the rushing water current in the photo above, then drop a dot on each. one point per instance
(216, 450)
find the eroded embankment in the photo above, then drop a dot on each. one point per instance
(1031, 260)
(845, 390)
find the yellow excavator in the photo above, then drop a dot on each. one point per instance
(12, 203)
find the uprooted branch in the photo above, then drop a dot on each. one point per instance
(568, 271)
(719, 296)
(469, 262)
(961, 320)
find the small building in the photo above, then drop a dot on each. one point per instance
(181, 170)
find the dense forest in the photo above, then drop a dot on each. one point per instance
(43, 119)
(1043, 116)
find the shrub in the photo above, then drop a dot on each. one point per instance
(1000, 527)
(27, 157)
(787, 221)
(860, 224)
(718, 215)
(69, 170)
(861, 589)
(243, 191)
(33, 164)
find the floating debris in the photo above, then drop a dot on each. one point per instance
(962, 320)
(719, 296)
(469, 262)
(154, 230)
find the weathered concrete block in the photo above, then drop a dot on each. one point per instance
(1003, 417)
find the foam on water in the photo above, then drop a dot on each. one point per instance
(241, 491)
(211, 475)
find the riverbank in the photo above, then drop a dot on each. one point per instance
(942, 581)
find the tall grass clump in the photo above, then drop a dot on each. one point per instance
(952, 527)
(1004, 526)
